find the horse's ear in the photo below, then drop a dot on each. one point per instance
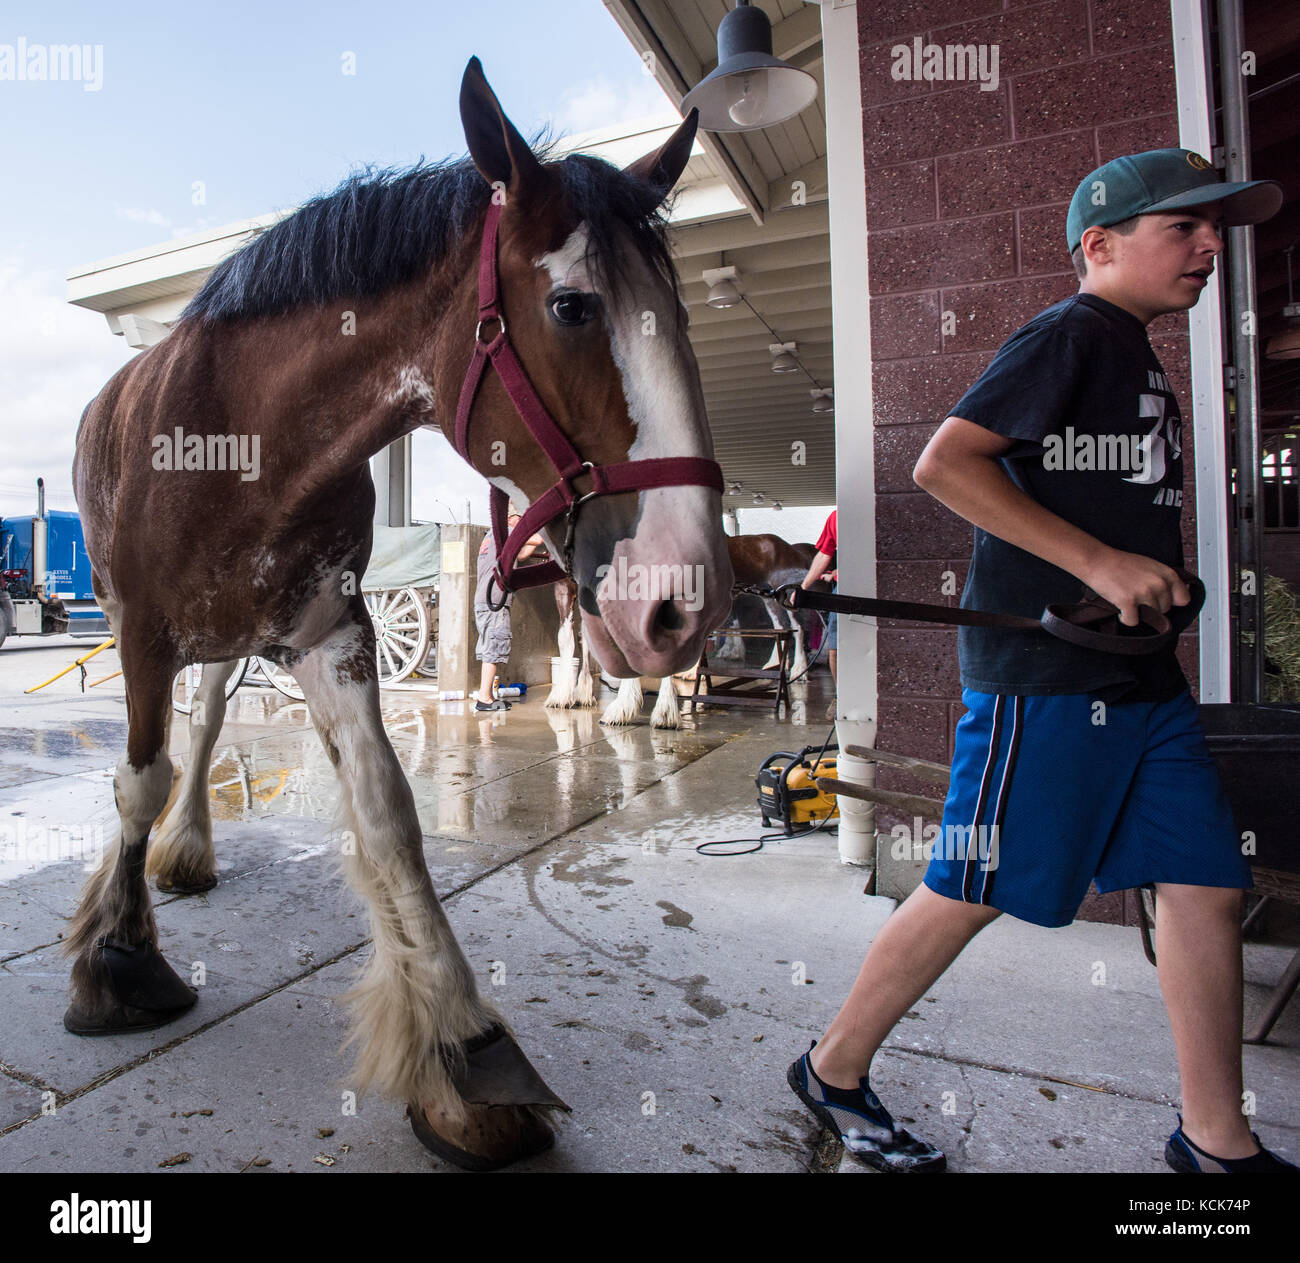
(663, 168)
(499, 152)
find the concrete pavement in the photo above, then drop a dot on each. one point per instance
(661, 992)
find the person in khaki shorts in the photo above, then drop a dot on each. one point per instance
(493, 648)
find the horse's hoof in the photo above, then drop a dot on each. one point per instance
(138, 991)
(491, 1137)
(196, 886)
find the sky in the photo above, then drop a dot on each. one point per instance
(194, 116)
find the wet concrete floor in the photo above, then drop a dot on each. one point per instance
(651, 985)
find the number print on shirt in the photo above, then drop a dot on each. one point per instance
(1165, 436)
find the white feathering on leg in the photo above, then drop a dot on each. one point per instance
(562, 688)
(626, 707)
(666, 713)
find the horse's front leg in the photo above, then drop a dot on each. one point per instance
(426, 1035)
(120, 980)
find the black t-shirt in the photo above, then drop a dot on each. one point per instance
(1100, 445)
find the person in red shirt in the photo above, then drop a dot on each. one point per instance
(821, 568)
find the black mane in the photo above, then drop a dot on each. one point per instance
(381, 227)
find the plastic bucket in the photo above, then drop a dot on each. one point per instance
(563, 669)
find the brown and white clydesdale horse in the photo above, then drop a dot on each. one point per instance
(755, 559)
(333, 333)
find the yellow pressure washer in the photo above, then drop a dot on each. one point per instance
(787, 790)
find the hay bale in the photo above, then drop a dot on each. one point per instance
(1281, 642)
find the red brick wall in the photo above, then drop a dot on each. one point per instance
(967, 192)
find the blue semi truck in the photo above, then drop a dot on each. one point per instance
(45, 576)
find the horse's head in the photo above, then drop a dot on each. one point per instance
(590, 303)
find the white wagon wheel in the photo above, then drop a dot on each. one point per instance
(281, 679)
(187, 681)
(401, 620)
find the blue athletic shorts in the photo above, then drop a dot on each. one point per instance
(1044, 799)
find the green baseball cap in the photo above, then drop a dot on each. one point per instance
(1164, 180)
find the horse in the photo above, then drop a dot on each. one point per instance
(755, 559)
(510, 295)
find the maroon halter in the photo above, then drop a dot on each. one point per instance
(562, 499)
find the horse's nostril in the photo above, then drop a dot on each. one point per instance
(668, 617)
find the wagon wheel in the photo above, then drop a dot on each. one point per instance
(281, 679)
(401, 620)
(187, 681)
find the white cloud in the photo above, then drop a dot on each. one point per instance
(601, 102)
(54, 359)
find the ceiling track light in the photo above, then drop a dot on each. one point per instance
(724, 287)
(823, 398)
(783, 360)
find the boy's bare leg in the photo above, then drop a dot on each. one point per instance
(925, 934)
(1198, 945)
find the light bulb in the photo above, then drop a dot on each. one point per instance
(747, 98)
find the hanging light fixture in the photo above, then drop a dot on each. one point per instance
(783, 360)
(776, 506)
(724, 290)
(750, 88)
(822, 401)
(1286, 345)
(759, 497)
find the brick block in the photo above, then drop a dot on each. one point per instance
(901, 194)
(988, 314)
(907, 324)
(915, 526)
(1045, 35)
(1128, 85)
(916, 663)
(949, 121)
(924, 389)
(897, 449)
(1042, 241)
(1008, 176)
(953, 253)
(1122, 24)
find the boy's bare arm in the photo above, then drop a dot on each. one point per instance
(960, 468)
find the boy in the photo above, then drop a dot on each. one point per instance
(493, 648)
(1066, 457)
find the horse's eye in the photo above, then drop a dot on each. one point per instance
(571, 308)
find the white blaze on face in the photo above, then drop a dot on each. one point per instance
(660, 385)
(652, 354)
